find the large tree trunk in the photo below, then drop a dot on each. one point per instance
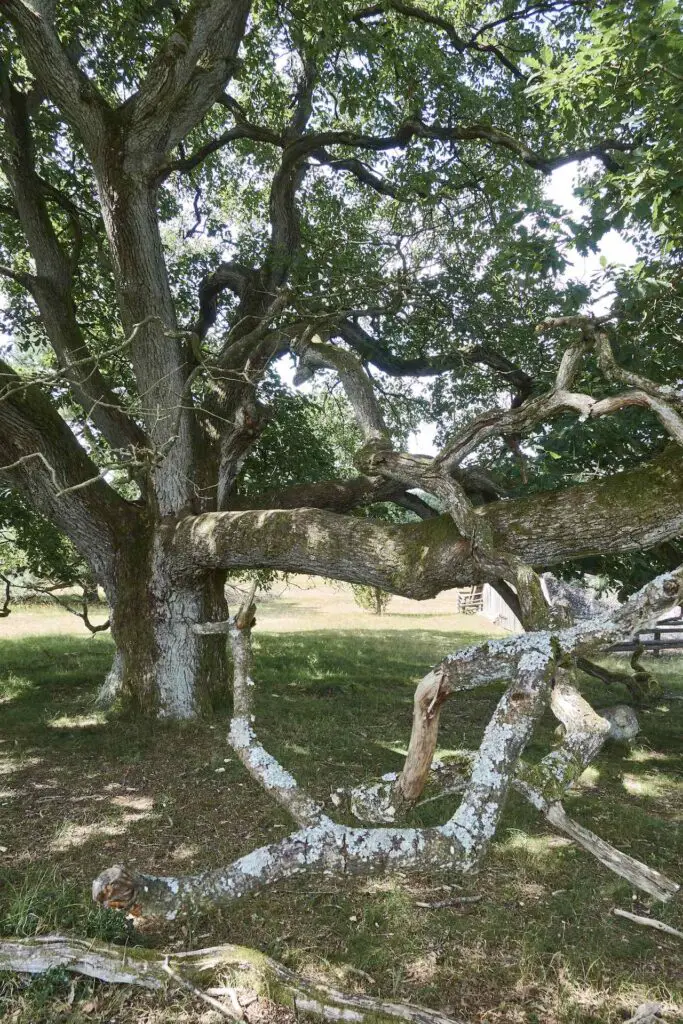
(161, 665)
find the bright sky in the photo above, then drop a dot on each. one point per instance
(615, 249)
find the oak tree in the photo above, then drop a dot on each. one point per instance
(192, 191)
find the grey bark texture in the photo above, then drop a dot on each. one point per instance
(252, 975)
(535, 666)
(161, 559)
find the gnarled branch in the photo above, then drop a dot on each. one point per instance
(530, 661)
(250, 971)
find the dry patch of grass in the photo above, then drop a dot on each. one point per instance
(80, 790)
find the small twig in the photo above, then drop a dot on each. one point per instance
(239, 1015)
(451, 791)
(452, 901)
(63, 603)
(649, 922)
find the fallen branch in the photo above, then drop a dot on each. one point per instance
(204, 996)
(260, 764)
(649, 922)
(544, 784)
(647, 1013)
(640, 875)
(452, 901)
(246, 968)
(531, 662)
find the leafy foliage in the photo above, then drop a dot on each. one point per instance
(372, 599)
(434, 246)
(31, 546)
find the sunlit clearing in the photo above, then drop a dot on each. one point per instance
(9, 765)
(423, 969)
(71, 835)
(530, 890)
(645, 785)
(598, 1000)
(296, 749)
(135, 803)
(640, 754)
(394, 748)
(536, 846)
(387, 884)
(13, 687)
(76, 721)
(186, 851)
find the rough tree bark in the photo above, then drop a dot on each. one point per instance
(161, 558)
(245, 974)
(535, 666)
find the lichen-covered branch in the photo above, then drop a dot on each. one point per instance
(544, 784)
(329, 847)
(530, 660)
(501, 660)
(260, 764)
(253, 974)
(585, 732)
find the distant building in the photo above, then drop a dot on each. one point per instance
(484, 600)
(583, 601)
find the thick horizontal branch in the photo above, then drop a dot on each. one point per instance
(416, 128)
(334, 495)
(626, 512)
(359, 491)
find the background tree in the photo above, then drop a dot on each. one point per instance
(372, 599)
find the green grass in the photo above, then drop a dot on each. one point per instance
(80, 790)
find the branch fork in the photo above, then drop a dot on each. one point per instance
(533, 663)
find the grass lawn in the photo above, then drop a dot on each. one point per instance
(80, 790)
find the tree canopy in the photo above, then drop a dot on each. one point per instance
(195, 194)
(197, 198)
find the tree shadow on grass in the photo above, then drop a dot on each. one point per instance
(335, 708)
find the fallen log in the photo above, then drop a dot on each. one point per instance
(236, 967)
